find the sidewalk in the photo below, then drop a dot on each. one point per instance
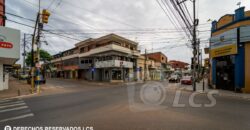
(14, 86)
(227, 93)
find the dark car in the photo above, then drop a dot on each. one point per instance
(174, 78)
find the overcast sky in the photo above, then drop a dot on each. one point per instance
(140, 20)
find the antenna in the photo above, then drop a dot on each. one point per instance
(239, 3)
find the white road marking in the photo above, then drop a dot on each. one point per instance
(9, 103)
(17, 117)
(12, 105)
(14, 109)
(4, 100)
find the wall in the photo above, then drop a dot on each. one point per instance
(247, 67)
(1, 76)
(158, 56)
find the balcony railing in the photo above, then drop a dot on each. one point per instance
(113, 63)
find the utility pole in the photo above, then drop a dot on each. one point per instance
(35, 55)
(198, 57)
(194, 46)
(32, 56)
(145, 66)
(24, 52)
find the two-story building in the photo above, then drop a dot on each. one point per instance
(108, 58)
(158, 71)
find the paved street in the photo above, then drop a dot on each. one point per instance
(105, 107)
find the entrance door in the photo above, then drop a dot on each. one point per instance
(225, 72)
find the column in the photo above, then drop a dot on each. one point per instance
(213, 71)
(239, 68)
(247, 68)
(1, 76)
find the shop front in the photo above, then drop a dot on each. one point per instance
(9, 53)
(229, 52)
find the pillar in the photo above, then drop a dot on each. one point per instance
(1, 77)
(213, 72)
(239, 67)
(247, 68)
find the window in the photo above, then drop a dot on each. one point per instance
(90, 61)
(86, 61)
(82, 50)
(126, 45)
(82, 61)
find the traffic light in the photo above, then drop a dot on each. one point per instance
(45, 16)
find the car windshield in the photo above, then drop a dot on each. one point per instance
(187, 77)
(174, 76)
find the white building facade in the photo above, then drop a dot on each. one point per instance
(9, 53)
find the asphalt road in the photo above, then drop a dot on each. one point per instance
(125, 107)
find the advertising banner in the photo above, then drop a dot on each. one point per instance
(224, 44)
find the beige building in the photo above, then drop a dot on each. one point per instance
(109, 58)
(152, 70)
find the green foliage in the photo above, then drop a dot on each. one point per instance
(44, 56)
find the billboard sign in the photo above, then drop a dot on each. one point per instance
(224, 44)
(9, 45)
(245, 34)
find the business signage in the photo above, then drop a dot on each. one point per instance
(6, 45)
(9, 45)
(245, 34)
(224, 44)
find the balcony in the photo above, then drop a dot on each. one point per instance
(113, 63)
(65, 58)
(111, 47)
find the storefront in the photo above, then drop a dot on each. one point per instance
(9, 53)
(229, 52)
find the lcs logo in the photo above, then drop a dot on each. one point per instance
(7, 128)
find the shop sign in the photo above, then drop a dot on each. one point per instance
(9, 43)
(6, 45)
(224, 44)
(245, 34)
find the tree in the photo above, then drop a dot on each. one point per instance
(44, 56)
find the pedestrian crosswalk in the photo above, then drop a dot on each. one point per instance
(13, 109)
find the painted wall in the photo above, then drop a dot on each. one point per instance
(239, 67)
(247, 67)
(1, 77)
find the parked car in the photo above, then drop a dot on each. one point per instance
(186, 80)
(174, 78)
(23, 76)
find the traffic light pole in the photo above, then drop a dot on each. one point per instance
(32, 55)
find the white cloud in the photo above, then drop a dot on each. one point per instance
(92, 17)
